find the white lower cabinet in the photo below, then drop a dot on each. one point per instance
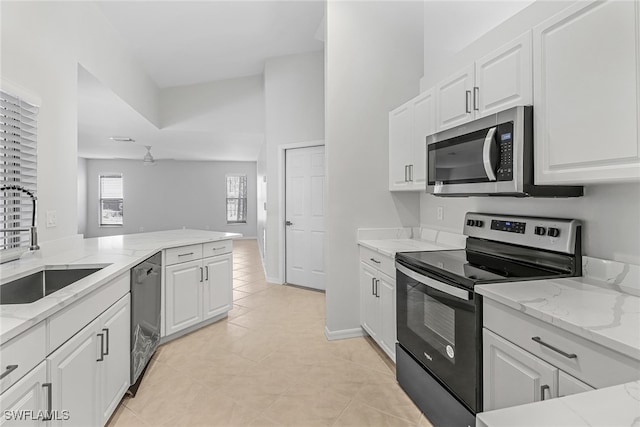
(74, 377)
(114, 370)
(514, 376)
(378, 303)
(183, 295)
(197, 290)
(89, 374)
(27, 396)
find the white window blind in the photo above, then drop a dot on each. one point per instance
(111, 199)
(236, 199)
(18, 165)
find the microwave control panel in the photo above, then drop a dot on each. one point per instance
(504, 135)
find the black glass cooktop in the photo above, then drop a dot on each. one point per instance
(470, 268)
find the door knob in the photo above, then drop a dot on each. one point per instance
(288, 223)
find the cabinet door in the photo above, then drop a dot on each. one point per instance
(369, 306)
(114, 370)
(454, 100)
(568, 385)
(504, 78)
(512, 376)
(74, 377)
(217, 290)
(586, 92)
(183, 288)
(387, 296)
(400, 146)
(424, 124)
(28, 394)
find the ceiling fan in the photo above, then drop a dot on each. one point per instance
(148, 158)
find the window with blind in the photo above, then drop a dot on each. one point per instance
(236, 199)
(18, 165)
(111, 200)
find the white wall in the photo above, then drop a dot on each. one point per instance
(611, 213)
(294, 112)
(261, 214)
(373, 64)
(171, 195)
(82, 195)
(41, 46)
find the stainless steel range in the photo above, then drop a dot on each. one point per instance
(439, 316)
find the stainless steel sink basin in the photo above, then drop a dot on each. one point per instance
(38, 285)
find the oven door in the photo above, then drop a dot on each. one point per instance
(437, 324)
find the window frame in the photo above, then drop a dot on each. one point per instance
(245, 198)
(100, 198)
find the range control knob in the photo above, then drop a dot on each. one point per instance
(540, 231)
(479, 223)
(470, 222)
(553, 232)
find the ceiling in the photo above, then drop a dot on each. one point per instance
(187, 42)
(181, 43)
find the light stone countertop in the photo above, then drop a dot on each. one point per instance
(602, 306)
(599, 309)
(611, 406)
(118, 254)
(390, 241)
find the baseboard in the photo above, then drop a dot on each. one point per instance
(275, 280)
(343, 333)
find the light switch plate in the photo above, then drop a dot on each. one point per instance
(52, 220)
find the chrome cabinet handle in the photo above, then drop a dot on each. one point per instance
(288, 223)
(49, 414)
(375, 260)
(220, 248)
(377, 283)
(476, 98)
(190, 253)
(467, 101)
(543, 388)
(406, 173)
(10, 368)
(206, 269)
(201, 274)
(373, 284)
(106, 331)
(556, 349)
(101, 348)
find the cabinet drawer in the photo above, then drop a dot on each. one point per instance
(379, 261)
(183, 254)
(217, 248)
(67, 323)
(26, 351)
(590, 357)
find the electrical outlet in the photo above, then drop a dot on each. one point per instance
(52, 221)
(440, 213)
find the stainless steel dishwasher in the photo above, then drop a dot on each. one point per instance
(145, 316)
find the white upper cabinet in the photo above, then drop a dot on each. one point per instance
(424, 124)
(503, 78)
(455, 99)
(497, 81)
(586, 94)
(409, 126)
(400, 135)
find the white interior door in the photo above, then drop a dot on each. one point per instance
(304, 213)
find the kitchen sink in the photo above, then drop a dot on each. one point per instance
(38, 285)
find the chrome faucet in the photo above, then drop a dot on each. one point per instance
(32, 230)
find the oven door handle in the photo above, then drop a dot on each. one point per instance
(487, 154)
(427, 281)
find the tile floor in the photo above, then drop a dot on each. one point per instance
(268, 364)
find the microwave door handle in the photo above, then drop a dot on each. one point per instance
(487, 151)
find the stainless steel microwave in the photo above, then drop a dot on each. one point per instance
(491, 156)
